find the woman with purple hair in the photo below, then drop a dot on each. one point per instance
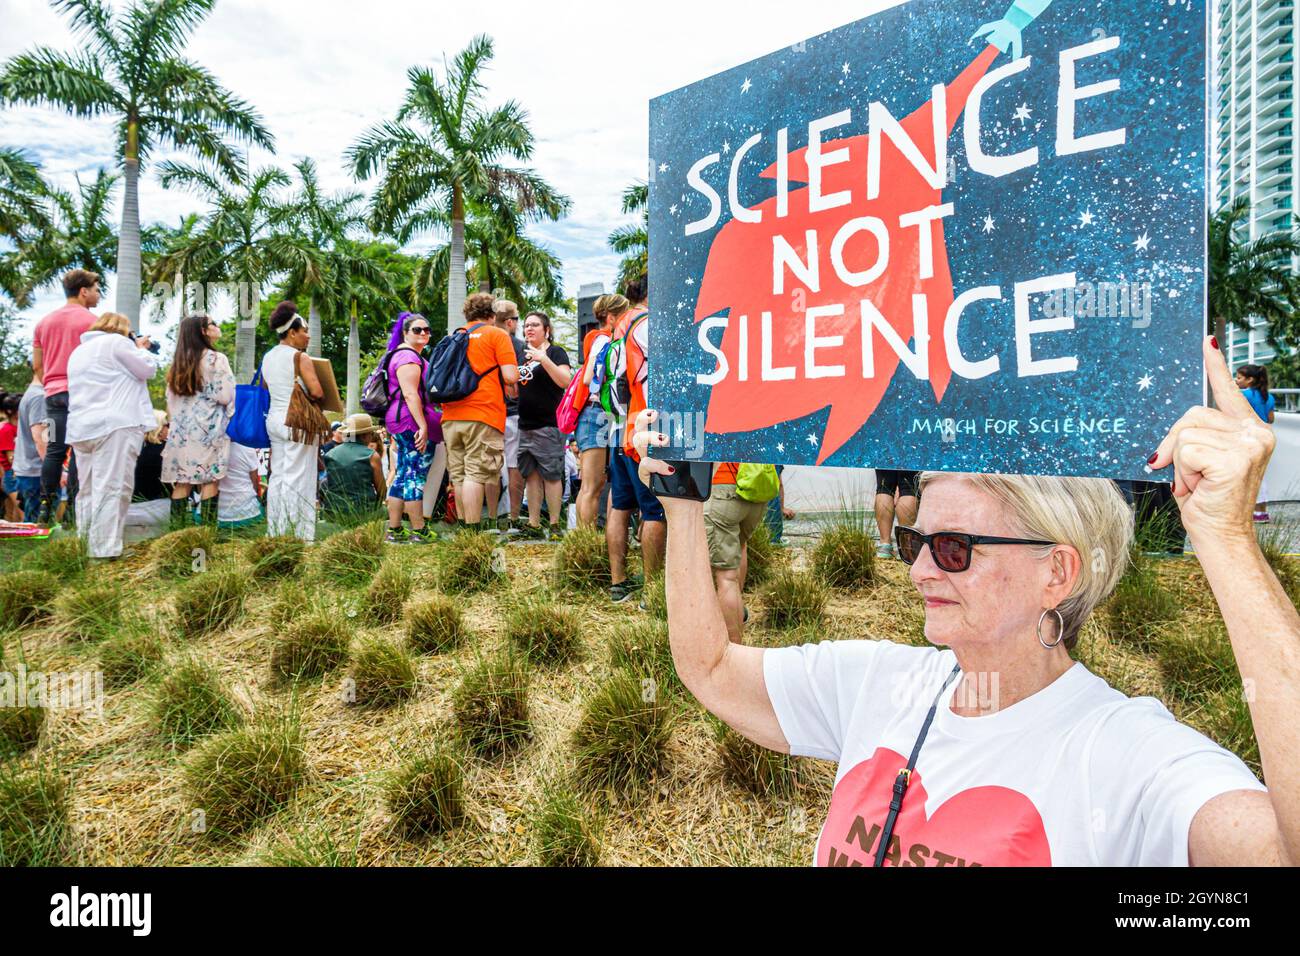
(415, 433)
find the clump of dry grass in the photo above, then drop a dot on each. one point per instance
(26, 597)
(656, 597)
(128, 656)
(1140, 606)
(211, 601)
(544, 632)
(65, 557)
(765, 557)
(467, 564)
(381, 674)
(621, 743)
(1197, 661)
(435, 625)
(845, 557)
(425, 795)
(642, 648)
(794, 599)
(20, 729)
(241, 777)
(388, 593)
(90, 612)
(762, 772)
(581, 562)
(191, 702)
(310, 647)
(491, 707)
(276, 557)
(350, 557)
(34, 819)
(564, 833)
(182, 553)
(1274, 541)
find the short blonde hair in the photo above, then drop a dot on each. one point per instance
(505, 309)
(112, 322)
(1089, 514)
(155, 437)
(613, 304)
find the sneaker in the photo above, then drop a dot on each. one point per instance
(425, 535)
(531, 533)
(619, 593)
(555, 533)
(397, 536)
(635, 581)
(504, 524)
(885, 551)
(1262, 517)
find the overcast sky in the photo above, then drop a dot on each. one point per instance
(321, 72)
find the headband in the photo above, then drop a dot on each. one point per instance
(288, 324)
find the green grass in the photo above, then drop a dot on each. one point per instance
(274, 557)
(544, 632)
(34, 819)
(90, 612)
(1141, 606)
(765, 557)
(467, 564)
(128, 656)
(182, 553)
(350, 557)
(310, 647)
(761, 772)
(581, 562)
(794, 599)
(620, 746)
(642, 649)
(435, 625)
(191, 701)
(309, 846)
(564, 832)
(212, 601)
(382, 673)
(491, 707)
(64, 556)
(244, 776)
(845, 558)
(388, 593)
(26, 598)
(426, 794)
(20, 729)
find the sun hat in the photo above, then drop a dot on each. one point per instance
(359, 424)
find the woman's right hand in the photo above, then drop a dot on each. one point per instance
(422, 438)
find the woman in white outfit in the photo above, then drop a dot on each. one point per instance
(108, 415)
(291, 493)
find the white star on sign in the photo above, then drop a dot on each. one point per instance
(1145, 383)
(846, 70)
(1174, 293)
(726, 147)
(1023, 113)
(1086, 218)
(988, 224)
(812, 440)
(690, 281)
(672, 210)
(780, 449)
(746, 86)
(663, 167)
(1143, 243)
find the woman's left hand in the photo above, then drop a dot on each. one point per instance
(1219, 457)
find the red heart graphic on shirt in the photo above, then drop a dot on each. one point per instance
(982, 826)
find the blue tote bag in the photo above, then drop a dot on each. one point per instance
(248, 424)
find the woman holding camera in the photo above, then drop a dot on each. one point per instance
(108, 415)
(200, 402)
(994, 747)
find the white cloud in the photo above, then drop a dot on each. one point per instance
(322, 72)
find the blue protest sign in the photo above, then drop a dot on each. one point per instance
(955, 235)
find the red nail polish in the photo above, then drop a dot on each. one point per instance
(1152, 459)
(1215, 342)
(672, 471)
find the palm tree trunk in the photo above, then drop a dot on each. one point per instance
(354, 364)
(456, 276)
(128, 239)
(313, 329)
(246, 337)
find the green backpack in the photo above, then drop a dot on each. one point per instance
(758, 483)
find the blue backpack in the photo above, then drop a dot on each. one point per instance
(450, 377)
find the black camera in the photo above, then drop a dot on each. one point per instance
(154, 347)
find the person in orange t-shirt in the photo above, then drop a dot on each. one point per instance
(729, 522)
(474, 428)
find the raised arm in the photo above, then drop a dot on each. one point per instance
(1219, 458)
(726, 678)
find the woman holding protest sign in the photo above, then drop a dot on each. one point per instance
(1001, 750)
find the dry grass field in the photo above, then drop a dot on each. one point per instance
(357, 704)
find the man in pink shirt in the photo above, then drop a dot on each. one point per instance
(53, 340)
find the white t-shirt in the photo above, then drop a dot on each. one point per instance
(1075, 775)
(238, 501)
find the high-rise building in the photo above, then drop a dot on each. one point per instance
(1254, 127)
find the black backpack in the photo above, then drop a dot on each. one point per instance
(374, 394)
(449, 376)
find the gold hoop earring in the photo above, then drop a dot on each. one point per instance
(1060, 633)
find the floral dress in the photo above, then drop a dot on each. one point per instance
(197, 445)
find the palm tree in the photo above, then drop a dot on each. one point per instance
(356, 275)
(171, 256)
(499, 259)
(632, 242)
(241, 238)
(443, 151)
(1251, 277)
(129, 65)
(81, 235)
(23, 218)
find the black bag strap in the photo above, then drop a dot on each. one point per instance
(905, 775)
(388, 372)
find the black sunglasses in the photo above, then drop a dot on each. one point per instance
(421, 330)
(951, 550)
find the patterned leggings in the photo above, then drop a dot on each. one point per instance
(412, 469)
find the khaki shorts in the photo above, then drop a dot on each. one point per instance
(729, 521)
(475, 452)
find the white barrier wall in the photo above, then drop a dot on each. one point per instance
(835, 489)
